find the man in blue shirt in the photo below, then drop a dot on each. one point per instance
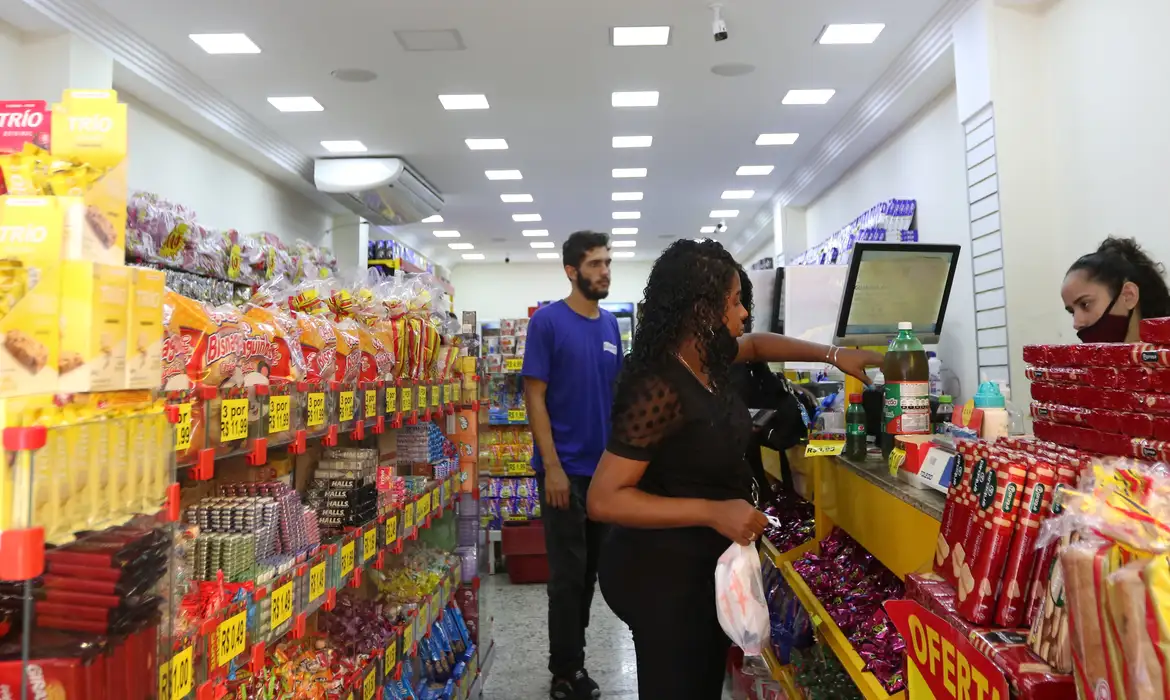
(571, 364)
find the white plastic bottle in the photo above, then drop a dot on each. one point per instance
(935, 367)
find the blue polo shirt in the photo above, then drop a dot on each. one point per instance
(579, 358)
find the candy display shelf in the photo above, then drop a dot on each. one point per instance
(781, 674)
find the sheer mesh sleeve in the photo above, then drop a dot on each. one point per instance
(646, 411)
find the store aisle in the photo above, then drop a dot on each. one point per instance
(519, 670)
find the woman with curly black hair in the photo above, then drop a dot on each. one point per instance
(673, 479)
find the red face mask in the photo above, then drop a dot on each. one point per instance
(1108, 329)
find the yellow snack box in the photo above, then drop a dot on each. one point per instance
(93, 326)
(31, 231)
(144, 330)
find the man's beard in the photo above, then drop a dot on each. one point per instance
(588, 291)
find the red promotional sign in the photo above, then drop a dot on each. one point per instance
(943, 664)
(27, 121)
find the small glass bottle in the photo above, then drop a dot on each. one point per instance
(855, 443)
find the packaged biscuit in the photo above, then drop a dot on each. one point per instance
(94, 304)
(144, 329)
(209, 340)
(317, 336)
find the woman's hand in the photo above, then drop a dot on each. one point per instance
(853, 362)
(737, 520)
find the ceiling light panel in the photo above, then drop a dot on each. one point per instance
(707, 229)
(755, 170)
(534, 232)
(452, 102)
(344, 146)
(625, 243)
(776, 139)
(445, 234)
(627, 215)
(850, 33)
(473, 256)
(433, 219)
(623, 254)
(724, 213)
(626, 197)
(632, 141)
(543, 244)
(629, 172)
(639, 36)
(503, 174)
(461, 246)
(808, 97)
(225, 43)
(738, 194)
(549, 256)
(624, 231)
(516, 198)
(525, 217)
(296, 104)
(486, 144)
(644, 98)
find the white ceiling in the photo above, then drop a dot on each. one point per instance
(547, 70)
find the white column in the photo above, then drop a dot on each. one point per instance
(790, 231)
(349, 245)
(54, 64)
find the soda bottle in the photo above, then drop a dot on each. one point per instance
(855, 445)
(907, 394)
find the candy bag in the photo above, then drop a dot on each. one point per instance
(739, 598)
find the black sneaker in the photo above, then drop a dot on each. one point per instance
(561, 690)
(583, 687)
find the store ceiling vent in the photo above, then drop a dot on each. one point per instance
(384, 191)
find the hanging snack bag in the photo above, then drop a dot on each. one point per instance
(318, 339)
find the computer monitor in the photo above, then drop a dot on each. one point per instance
(889, 283)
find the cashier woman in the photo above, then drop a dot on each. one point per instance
(1109, 292)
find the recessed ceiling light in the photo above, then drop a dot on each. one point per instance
(460, 246)
(724, 213)
(645, 98)
(639, 36)
(486, 144)
(534, 232)
(344, 146)
(549, 256)
(738, 194)
(627, 243)
(776, 139)
(432, 219)
(464, 101)
(808, 97)
(620, 215)
(629, 172)
(623, 231)
(623, 254)
(515, 198)
(632, 141)
(445, 234)
(850, 33)
(473, 256)
(626, 196)
(755, 170)
(543, 244)
(225, 43)
(525, 217)
(707, 229)
(296, 104)
(503, 174)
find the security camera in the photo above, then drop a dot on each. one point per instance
(721, 227)
(718, 26)
(507, 259)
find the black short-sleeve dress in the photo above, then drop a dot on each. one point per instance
(661, 582)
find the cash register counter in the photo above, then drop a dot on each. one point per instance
(894, 521)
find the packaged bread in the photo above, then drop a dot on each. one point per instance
(285, 363)
(1126, 597)
(317, 336)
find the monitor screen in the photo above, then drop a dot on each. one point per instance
(891, 283)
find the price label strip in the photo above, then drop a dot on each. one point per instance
(391, 530)
(392, 400)
(408, 516)
(282, 605)
(279, 418)
(347, 558)
(316, 409)
(446, 393)
(514, 364)
(231, 637)
(370, 684)
(824, 448)
(517, 415)
(316, 581)
(370, 542)
(458, 389)
(233, 419)
(345, 406)
(436, 499)
(423, 507)
(408, 639)
(371, 403)
(391, 655)
(183, 428)
(517, 468)
(435, 398)
(407, 399)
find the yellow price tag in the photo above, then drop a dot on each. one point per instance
(514, 364)
(370, 542)
(316, 582)
(174, 241)
(824, 448)
(345, 406)
(235, 259)
(231, 638)
(391, 655)
(369, 685)
(435, 398)
(164, 681)
(347, 558)
(316, 409)
(233, 419)
(279, 418)
(446, 393)
(897, 459)
(183, 428)
(282, 605)
(968, 411)
(408, 638)
(423, 507)
(392, 529)
(517, 415)
(408, 516)
(371, 403)
(392, 400)
(517, 468)
(458, 392)
(436, 499)
(407, 399)
(816, 620)
(419, 630)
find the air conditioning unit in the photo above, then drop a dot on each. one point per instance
(384, 191)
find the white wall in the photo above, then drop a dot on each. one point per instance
(11, 86)
(766, 250)
(924, 161)
(498, 290)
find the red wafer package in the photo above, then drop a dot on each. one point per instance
(1151, 450)
(966, 515)
(1161, 428)
(1102, 377)
(1042, 392)
(955, 511)
(1136, 425)
(1003, 490)
(1152, 403)
(1154, 330)
(1067, 470)
(1104, 420)
(1036, 355)
(1060, 355)
(980, 504)
(1036, 500)
(1059, 375)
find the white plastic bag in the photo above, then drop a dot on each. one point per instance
(739, 598)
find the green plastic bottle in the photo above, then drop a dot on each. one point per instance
(906, 410)
(855, 445)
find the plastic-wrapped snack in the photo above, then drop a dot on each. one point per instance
(317, 335)
(207, 341)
